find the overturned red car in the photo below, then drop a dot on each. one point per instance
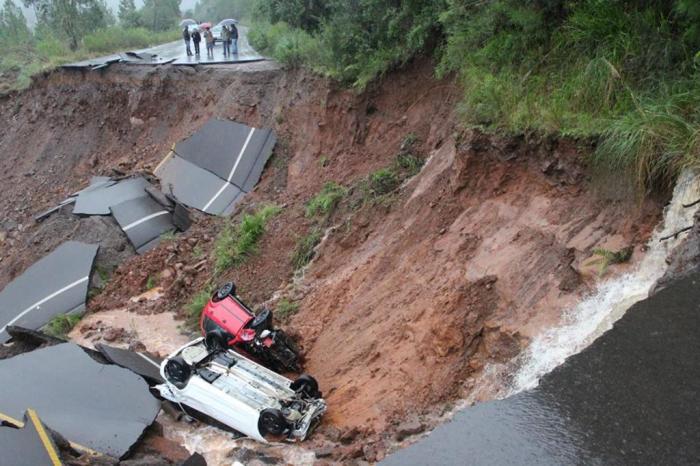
(227, 322)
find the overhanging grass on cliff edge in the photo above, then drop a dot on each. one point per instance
(617, 71)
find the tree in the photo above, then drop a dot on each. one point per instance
(160, 15)
(70, 20)
(13, 24)
(216, 10)
(304, 14)
(128, 16)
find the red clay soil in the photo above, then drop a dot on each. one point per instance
(409, 295)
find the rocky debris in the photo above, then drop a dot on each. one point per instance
(407, 429)
(99, 331)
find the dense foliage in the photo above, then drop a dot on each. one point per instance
(69, 30)
(622, 71)
(217, 10)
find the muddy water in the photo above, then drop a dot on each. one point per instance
(631, 397)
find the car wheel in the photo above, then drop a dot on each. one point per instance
(307, 385)
(272, 422)
(216, 340)
(262, 321)
(225, 290)
(177, 371)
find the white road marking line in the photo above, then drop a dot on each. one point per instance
(39, 303)
(230, 175)
(145, 219)
(149, 359)
(157, 169)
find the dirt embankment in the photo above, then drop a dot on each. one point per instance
(409, 296)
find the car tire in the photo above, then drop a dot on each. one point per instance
(225, 290)
(307, 385)
(178, 372)
(262, 321)
(272, 422)
(216, 340)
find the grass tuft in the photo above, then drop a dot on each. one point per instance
(383, 181)
(60, 325)
(235, 243)
(304, 250)
(325, 202)
(286, 308)
(606, 257)
(196, 305)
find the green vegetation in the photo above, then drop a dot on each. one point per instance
(60, 325)
(304, 250)
(325, 202)
(624, 73)
(216, 10)
(606, 258)
(150, 282)
(117, 38)
(286, 308)
(68, 31)
(196, 305)
(235, 243)
(383, 181)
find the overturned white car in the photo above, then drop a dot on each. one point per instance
(241, 394)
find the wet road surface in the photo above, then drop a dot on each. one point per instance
(176, 53)
(629, 398)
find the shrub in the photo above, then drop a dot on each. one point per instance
(326, 200)
(304, 250)
(291, 47)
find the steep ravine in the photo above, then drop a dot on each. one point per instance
(410, 296)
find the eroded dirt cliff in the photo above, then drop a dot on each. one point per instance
(410, 293)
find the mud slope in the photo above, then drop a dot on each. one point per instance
(410, 294)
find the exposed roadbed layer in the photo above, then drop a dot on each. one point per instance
(410, 294)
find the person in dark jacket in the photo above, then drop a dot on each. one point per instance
(234, 38)
(196, 39)
(186, 36)
(226, 40)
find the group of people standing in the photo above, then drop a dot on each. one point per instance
(229, 38)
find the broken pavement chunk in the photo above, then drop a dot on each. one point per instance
(234, 152)
(97, 201)
(144, 364)
(197, 187)
(30, 445)
(56, 284)
(212, 169)
(143, 220)
(101, 407)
